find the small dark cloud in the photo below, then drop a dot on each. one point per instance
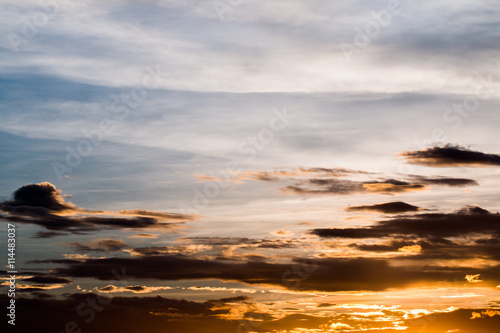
(460, 321)
(99, 245)
(159, 314)
(445, 181)
(48, 234)
(159, 215)
(121, 314)
(281, 175)
(387, 208)
(244, 242)
(335, 186)
(450, 156)
(42, 197)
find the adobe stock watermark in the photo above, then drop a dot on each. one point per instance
(224, 7)
(249, 150)
(118, 110)
(31, 25)
(363, 36)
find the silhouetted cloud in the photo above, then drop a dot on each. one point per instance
(43, 205)
(328, 274)
(244, 242)
(444, 181)
(467, 221)
(387, 208)
(42, 195)
(99, 245)
(414, 183)
(38, 282)
(326, 181)
(438, 249)
(449, 156)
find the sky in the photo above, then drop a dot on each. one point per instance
(250, 166)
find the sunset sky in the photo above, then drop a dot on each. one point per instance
(251, 166)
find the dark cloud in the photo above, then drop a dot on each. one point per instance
(159, 215)
(48, 234)
(467, 221)
(449, 156)
(387, 208)
(37, 197)
(483, 248)
(244, 242)
(445, 181)
(100, 245)
(43, 205)
(326, 181)
(328, 274)
(98, 314)
(331, 186)
(30, 282)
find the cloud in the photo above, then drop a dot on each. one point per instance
(411, 249)
(37, 199)
(473, 278)
(244, 242)
(144, 235)
(137, 289)
(445, 181)
(48, 234)
(154, 250)
(467, 221)
(159, 314)
(327, 274)
(332, 186)
(276, 175)
(450, 156)
(100, 245)
(43, 205)
(151, 314)
(47, 279)
(485, 314)
(159, 215)
(39, 282)
(462, 321)
(386, 208)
